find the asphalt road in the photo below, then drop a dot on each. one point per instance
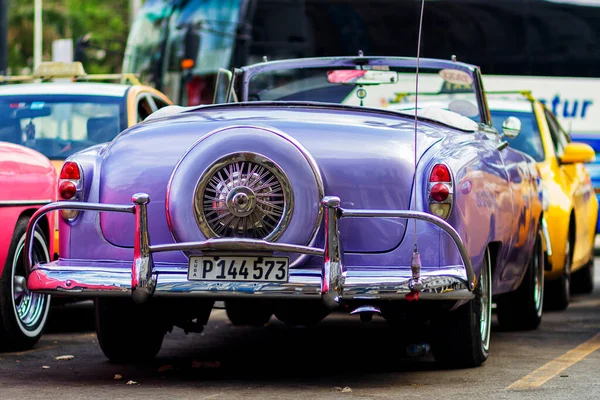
(337, 359)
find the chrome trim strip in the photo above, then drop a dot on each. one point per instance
(229, 75)
(23, 203)
(232, 244)
(449, 229)
(546, 236)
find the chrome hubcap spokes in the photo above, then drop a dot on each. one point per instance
(243, 195)
(29, 307)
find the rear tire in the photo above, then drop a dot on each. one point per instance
(461, 338)
(23, 314)
(522, 309)
(247, 312)
(128, 333)
(583, 280)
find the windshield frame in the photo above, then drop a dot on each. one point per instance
(248, 72)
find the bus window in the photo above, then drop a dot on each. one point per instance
(145, 42)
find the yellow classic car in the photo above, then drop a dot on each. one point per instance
(572, 208)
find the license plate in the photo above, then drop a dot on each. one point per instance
(243, 269)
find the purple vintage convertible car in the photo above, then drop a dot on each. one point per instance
(302, 198)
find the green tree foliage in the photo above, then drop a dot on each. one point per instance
(106, 20)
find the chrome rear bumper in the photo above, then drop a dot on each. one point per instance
(333, 281)
(80, 279)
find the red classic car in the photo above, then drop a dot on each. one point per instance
(27, 181)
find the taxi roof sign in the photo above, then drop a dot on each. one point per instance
(48, 70)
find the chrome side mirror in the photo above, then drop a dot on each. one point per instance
(511, 127)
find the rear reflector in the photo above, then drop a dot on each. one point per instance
(441, 210)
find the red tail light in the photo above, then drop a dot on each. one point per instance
(67, 190)
(440, 173)
(440, 191)
(70, 170)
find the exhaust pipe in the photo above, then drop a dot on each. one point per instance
(366, 312)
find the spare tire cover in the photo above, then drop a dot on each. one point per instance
(283, 160)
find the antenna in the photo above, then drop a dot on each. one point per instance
(415, 283)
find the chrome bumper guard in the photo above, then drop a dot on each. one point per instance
(333, 283)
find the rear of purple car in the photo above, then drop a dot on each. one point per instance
(295, 202)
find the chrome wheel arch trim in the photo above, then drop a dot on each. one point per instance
(250, 157)
(486, 314)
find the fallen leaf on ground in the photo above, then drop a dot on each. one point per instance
(343, 390)
(132, 383)
(117, 377)
(45, 367)
(64, 358)
(164, 368)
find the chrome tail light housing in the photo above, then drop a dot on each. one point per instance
(440, 191)
(70, 187)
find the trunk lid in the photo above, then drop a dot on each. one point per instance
(366, 158)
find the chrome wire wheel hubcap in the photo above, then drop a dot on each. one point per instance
(243, 195)
(30, 308)
(486, 302)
